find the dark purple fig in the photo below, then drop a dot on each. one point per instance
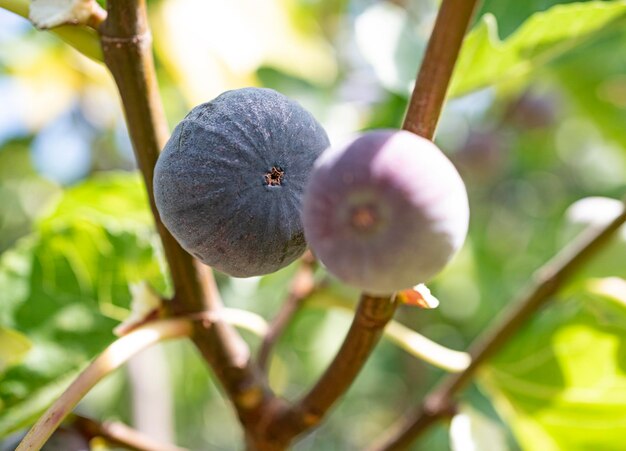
(228, 184)
(386, 211)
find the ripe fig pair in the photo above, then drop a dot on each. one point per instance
(248, 180)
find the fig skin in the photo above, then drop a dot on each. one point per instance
(386, 211)
(229, 182)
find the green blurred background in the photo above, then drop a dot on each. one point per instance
(535, 124)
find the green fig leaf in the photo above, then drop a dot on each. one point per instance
(486, 60)
(66, 286)
(560, 383)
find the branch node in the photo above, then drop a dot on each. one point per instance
(249, 398)
(311, 419)
(138, 40)
(371, 318)
(436, 405)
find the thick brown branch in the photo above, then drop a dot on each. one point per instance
(436, 70)
(119, 434)
(301, 287)
(546, 282)
(126, 44)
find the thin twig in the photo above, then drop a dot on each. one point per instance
(437, 67)
(111, 358)
(302, 286)
(546, 282)
(126, 44)
(119, 434)
(427, 350)
(244, 319)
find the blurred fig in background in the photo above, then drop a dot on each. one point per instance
(531, 110)
(482, 156)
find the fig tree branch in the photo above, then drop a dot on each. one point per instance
(118, 434)
(126, 44)
(111, 358)
(436, 70)
(301, 286)
(545, 283)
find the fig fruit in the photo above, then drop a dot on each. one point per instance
(385, 212)
(229, 182)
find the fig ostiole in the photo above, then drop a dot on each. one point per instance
(229, 182)
(386, 211)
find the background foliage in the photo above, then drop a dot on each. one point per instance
(536, 123)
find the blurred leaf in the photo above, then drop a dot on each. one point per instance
(595, 82)
(512, 13)
(313, 97)
(115, 200)
(49, 79)
(28, 409)
(67, 285)
(24, 195)
(486, 60)
(395, 55)
(561, 382)
(222, 44)
(13, 347)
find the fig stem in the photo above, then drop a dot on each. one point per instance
(436, 70)
(116, 354)
(302, 285)
(544, 284)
